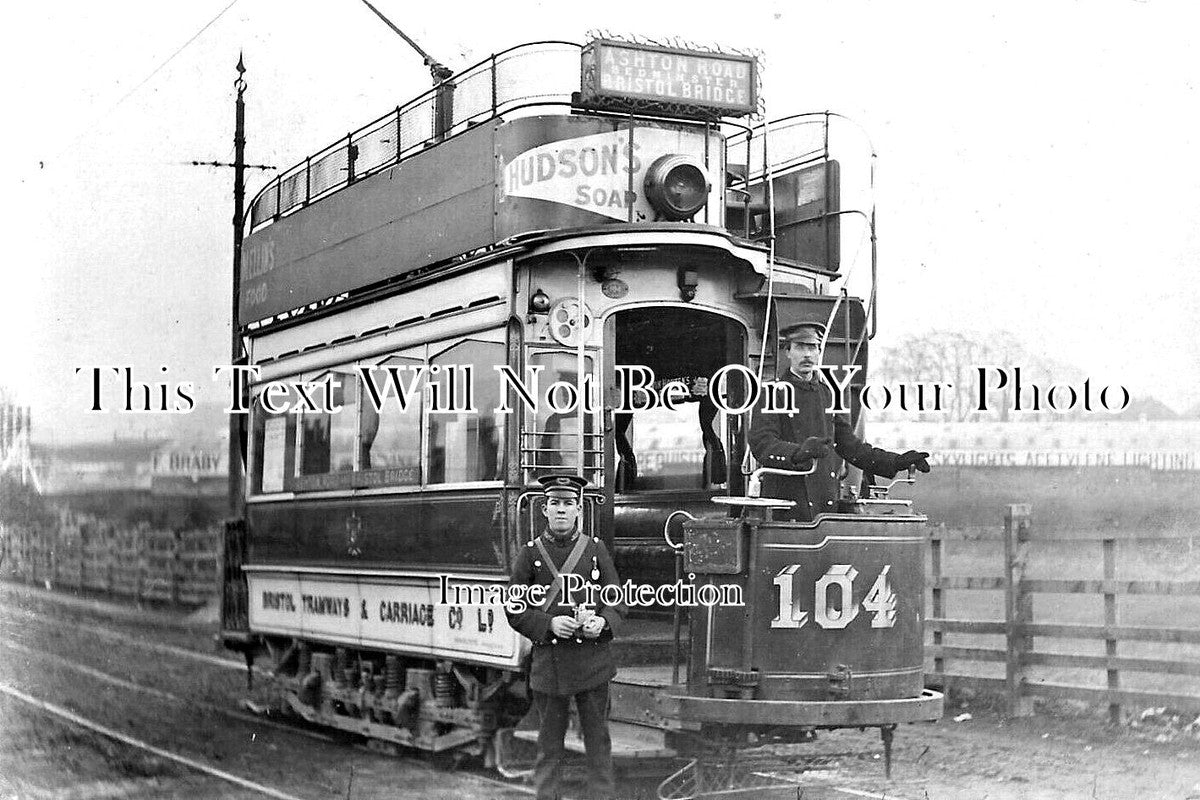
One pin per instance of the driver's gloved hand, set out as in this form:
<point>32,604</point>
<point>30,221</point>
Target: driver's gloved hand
<point>912,458</point>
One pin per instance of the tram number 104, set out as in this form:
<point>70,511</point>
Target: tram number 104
<point>833,605</point>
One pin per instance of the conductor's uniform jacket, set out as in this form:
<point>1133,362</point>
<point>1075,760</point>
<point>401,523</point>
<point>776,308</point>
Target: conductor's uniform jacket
<point>574,664</point>
<point>776,437</point>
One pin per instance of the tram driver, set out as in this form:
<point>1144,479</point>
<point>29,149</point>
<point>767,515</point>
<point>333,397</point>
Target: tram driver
<point>572,656</point>
<point>796,440</point>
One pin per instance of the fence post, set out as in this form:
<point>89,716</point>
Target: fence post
<point>55,540</point>
<point>1018,607</point>
<point>139,556</point>
<point>107,532</point>
<point>938,598</point>
<point>83,557</point>
<point>1110,620</point>
<point>33,554</point>
<point>219,545</point>
<point>173,569</point>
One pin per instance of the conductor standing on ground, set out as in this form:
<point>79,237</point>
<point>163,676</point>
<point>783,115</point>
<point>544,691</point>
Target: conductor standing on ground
<point>809,435</point>
<point>572,656</point>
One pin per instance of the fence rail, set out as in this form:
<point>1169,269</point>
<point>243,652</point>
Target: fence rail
<point>1019,628</point>
<point>141,562</point>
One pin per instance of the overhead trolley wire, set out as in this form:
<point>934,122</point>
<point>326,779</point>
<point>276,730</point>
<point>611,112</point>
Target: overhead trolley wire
<point>84,130</point>
<point>170,58</point>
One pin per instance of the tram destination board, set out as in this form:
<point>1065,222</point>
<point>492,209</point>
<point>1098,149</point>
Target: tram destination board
<point>635,77</point>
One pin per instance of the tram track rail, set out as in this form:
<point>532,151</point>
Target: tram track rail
<point>133,686</point>
<point>91,726</point>
<point>12,646</point>
<point>78,720</point>
<point>156,647</point>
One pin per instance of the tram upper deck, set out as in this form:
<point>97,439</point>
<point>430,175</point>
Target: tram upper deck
<point>507,149</point>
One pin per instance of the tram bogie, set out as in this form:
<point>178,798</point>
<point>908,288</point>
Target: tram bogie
<point>433,705</point>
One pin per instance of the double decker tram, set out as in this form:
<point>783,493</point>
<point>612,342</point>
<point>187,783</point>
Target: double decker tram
<point>493,282</point>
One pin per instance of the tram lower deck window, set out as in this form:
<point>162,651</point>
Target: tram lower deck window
<point>390,438</point>
<point>465,447</point>
<point>273,450</point>
<point>327,440</point>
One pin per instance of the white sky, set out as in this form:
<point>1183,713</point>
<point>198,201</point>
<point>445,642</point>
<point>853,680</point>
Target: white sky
<point>1039,162</point>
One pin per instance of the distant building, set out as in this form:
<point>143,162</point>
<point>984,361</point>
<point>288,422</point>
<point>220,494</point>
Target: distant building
<point>1154,444</point>
<point>154,466</point>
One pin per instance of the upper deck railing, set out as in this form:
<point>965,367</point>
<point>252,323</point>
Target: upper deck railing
<point>526,74</point>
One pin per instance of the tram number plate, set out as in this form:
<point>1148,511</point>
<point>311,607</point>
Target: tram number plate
<point>833,605</point>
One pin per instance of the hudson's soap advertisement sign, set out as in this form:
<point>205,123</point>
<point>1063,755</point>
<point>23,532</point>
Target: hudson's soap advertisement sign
<point>601,172</point>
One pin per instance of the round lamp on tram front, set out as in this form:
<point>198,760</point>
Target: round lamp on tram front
<point>677,187</point>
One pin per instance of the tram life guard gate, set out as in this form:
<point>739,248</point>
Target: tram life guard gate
<point>559,212</point>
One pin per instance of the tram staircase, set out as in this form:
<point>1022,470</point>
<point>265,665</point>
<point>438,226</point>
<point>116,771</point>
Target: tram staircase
<point>640,710</point>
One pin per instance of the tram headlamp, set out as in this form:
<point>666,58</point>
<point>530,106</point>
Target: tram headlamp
<point>539,303</point>
<point>676,187</point>
<point>688,280</point>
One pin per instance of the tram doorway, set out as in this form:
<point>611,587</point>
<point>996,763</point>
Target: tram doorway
<point>686,449</point>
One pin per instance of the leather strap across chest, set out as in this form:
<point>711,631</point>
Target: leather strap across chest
<point>568,566</point>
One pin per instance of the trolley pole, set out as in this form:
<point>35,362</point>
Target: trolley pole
<point>443,97</point>
<point>236,421</point>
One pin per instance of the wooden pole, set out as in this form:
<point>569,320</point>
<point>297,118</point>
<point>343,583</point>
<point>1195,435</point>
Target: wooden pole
<point>1018,607</point>
<point>237,428</point>
<point>1110,620</point>
<point>937,596</point>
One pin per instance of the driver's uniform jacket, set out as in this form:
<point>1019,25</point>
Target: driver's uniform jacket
<point>775,438</point>
<point>574,664</point>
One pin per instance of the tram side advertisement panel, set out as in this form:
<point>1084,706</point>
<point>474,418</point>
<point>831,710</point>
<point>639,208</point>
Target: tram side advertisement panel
<point>401,614</point>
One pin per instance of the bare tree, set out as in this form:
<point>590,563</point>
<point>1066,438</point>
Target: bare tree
<point>956,358</point>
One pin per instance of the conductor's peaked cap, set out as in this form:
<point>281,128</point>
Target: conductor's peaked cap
<point>791,331</point>
<point>562,483</point>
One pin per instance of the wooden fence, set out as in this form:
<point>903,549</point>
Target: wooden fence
<point>93,554</point>
<point>1020,629</point>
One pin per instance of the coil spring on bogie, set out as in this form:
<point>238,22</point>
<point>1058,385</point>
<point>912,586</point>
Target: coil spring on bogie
<point>367,677</point>
<point>443,689</point>
<point>393,678</point>
<point>304,660</point>
<point>340,661</point>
